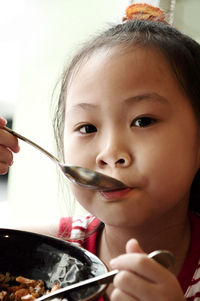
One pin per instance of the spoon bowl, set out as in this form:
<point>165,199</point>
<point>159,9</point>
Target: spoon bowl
<point>82,176</point>
<point>91,179</point>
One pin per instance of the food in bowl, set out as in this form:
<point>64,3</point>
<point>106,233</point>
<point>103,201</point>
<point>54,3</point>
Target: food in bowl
<point>40,257</point>
<point>20,288</point>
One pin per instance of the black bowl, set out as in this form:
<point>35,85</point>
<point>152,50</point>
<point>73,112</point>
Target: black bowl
<point>37,256</point>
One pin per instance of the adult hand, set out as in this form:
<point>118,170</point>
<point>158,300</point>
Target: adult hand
<point>8,146</point>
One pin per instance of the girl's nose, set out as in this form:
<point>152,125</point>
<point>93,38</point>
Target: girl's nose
<point>113,158</point>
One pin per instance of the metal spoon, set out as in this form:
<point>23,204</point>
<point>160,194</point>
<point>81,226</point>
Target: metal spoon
<point>82,176</point>
<point>164,257</point>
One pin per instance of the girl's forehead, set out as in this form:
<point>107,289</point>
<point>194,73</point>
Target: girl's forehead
<point>107,57</point>
<point>114,76</point>
<point>117,63</point>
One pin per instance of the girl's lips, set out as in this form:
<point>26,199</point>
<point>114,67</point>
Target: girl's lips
<point>115,194</point>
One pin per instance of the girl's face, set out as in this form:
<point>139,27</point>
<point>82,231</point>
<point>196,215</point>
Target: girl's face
<point>127,117</point>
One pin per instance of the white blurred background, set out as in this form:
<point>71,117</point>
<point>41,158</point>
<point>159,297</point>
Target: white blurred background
<point>37,37</point>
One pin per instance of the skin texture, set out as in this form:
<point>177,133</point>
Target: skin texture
<point>159,160</point>
<point>127,117</point>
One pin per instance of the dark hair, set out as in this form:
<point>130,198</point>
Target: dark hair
<point>181,51</point>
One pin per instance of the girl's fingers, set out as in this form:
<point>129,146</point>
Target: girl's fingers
<point>133,285</point>
<point>142,265</point>
<point>133,246</point>
<point>118,295</point>
<point>142,278</point>
<point>136,261</point>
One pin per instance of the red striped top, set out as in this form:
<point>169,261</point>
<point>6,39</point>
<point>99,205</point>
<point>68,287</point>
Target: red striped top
<point>77,229</point>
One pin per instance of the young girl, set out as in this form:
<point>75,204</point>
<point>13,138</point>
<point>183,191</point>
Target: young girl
<point>129,108</point>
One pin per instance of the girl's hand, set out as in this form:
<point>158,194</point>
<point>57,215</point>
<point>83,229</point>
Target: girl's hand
<point>143,279</point>
<point>8,145</point>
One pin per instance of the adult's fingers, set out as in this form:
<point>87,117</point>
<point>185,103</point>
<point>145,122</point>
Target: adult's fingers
<point>3,168</point>
<point>6,159</point>
<point>2,122</point>
<point>9,141</point>
<point>6,156</point>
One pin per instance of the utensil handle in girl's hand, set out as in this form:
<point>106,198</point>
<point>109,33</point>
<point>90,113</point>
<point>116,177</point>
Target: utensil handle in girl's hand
<point>163,257</point>
<point>102,279</point>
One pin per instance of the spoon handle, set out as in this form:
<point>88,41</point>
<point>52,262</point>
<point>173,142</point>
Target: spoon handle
<point>31,143</point>
<point>164,257</point>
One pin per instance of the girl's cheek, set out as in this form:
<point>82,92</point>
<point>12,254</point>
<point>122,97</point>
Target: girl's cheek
<point>72,155</point>
<point>83,196</point>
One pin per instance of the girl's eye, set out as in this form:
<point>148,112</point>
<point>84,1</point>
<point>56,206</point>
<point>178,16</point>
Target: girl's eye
<point>87,129</point>
<point>143,122</point>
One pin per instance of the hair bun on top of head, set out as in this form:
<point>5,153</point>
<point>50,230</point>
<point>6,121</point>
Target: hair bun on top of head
<point>143,11</point>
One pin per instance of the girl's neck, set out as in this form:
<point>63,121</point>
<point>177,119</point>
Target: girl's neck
<point>173,235</point>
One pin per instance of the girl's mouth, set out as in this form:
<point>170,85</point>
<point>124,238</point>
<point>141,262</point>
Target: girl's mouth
<point>116,194</point>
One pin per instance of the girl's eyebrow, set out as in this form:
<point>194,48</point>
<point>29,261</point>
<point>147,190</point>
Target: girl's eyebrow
<point>152,96</point>
<point>83,106</point>
<point>146,97</point>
